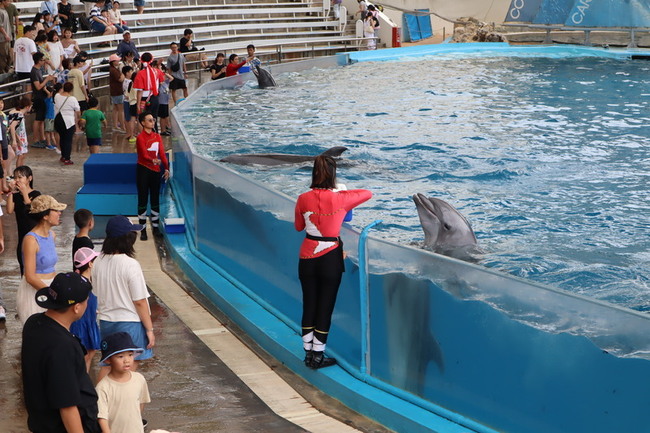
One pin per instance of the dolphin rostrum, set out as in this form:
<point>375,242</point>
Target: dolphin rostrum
<point>279,158</point>
<point>445,229</point>
<point>264,77</point>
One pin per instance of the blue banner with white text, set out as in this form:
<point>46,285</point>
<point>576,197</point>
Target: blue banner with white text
<point>610,13</point>
<point>523,11</point>
<point>554,12</point>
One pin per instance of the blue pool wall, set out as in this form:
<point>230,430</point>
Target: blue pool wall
<point>447,345</point>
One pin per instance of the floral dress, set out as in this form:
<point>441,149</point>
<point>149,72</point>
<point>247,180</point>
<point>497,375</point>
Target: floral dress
<point>22,146</point>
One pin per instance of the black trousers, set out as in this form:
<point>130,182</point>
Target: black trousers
<point>320,278</point>
<point>148,184</point>
<point>66,135</point>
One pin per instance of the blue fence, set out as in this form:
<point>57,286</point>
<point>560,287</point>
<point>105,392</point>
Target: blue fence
<point>483,349</point>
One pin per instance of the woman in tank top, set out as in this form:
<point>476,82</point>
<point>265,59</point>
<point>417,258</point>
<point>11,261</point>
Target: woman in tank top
<point>39,254</point>
<point>70,46</point>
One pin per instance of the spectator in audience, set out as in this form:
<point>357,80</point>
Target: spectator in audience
<point>116,78</point>
<point>128,60</point>
<point>19,200</point>
<point>14,18</point>
<point>86,68</point>
<point>92,120</point>
<point>336,7</point>
<point>50,136</point>
<point>369,31</point>
<point>18,130</point>
<point>3,312</point>
<point>7,152</point>
<point>126,45</point>
<point>50,7</point>
<point>99,23</point>
<point>70,46</point>
<point>66,16</point>
<point>218,68</point>
<point>163,101</point>
<point>122,393</point>
<point>146,83</point>
<point>6,31</point>
<point>66,104</point>
<point>40,86</point>
<point>363,7</point>
<point>139,6</point>
<point>39,254</point>
<point>56,50</point>
<point>251,59</point>
<point>115,18</point>
<point>58,391</point>
<point>43,48</point>
<point>76,77</point>
<point>39,22</point>
<point>85,222</point>
<point>50,23</point>
<point>233,65</point>
<point>86,328</point>
<point>130,102</point>
<point>187,46</point>
<point>25,48</point>
<point>65,71</point>
<point>178,68</point>
<point>121,289</point>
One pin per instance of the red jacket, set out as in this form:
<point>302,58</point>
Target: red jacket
<point>232,68</point>
<point>150,147</point>
<point>320,212</point>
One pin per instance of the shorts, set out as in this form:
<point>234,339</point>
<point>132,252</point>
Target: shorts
<point>49,125</point>
<point>127,111</point>
<point>38,105</point>
<point>177,84</point>
<point>116,100</point>
<point>134,329</point>
<point>138,3</point>
<point>94,141</point>
<point>163,111</point>
<point>97,27</point>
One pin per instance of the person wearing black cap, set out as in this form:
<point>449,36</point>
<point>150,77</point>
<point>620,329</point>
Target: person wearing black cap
<point>59,394</point>
<point>121,290</point>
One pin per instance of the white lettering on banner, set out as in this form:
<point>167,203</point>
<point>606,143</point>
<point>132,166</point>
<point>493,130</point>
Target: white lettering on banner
<point>517,6</point>
<point>582,7</point>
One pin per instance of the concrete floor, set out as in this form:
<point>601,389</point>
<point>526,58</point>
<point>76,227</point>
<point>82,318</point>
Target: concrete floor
<point>193,390</point>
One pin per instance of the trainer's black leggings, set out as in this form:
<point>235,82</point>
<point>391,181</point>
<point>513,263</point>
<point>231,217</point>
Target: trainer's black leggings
<point>148,183</point>
<point>320,278</point>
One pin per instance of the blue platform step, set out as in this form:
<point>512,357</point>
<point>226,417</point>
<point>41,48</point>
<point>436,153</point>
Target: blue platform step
<point>109,184</point>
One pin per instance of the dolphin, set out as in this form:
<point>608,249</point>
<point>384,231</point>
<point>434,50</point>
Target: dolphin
<point>445,229</point>
<point>279,158</point>
<point>264,77</point>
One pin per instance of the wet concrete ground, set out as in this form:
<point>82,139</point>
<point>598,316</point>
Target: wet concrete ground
<point>192,390</point>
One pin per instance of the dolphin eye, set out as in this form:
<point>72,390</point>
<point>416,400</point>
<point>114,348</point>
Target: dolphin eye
<point>447,226</point>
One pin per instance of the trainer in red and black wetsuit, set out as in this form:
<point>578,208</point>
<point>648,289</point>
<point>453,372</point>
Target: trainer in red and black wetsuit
<point>320,213</point>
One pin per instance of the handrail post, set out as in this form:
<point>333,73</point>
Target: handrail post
<point>364,305</point>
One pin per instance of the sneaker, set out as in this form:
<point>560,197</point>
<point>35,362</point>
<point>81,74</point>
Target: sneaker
<point>144,422</point>
<point>67,162</point>
<point>319,360</point>
<point>3,314</point>
<point>62,159</point>
<point>143,235</point>
<point>139,23</point>
<point>58,152</point>
<point>132,140</point>
<point>39,145</point>
<point>50,147</point>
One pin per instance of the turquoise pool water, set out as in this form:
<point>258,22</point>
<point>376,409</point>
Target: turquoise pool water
<point>548,158</point>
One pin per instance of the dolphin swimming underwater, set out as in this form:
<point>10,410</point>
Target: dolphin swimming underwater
<point>445,229</point>
<point>264,77</point>
<point>279,158</point>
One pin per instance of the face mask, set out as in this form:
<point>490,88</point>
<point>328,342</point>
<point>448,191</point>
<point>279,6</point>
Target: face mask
<point>42,21</point>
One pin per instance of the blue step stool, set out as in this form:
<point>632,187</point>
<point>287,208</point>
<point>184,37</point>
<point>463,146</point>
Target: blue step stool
<point>109,184</point>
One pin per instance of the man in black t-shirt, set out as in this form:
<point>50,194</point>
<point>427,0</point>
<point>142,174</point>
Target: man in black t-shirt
<point>59,394</point>
<point>39,94</point>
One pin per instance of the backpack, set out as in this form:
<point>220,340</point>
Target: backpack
<point>175,67</point>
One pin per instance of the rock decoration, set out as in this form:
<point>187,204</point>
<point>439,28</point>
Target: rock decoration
<point>468,29</point>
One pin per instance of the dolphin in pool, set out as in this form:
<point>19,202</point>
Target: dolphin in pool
<point>279,158</point>
<point>264,77</point>
<point>445,229</point>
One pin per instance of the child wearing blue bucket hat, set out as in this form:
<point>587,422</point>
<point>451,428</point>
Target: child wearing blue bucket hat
<point>123,392</point>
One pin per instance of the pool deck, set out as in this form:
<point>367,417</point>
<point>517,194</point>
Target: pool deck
<point>204,377</point>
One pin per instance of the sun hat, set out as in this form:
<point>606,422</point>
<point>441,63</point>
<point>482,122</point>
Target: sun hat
<point>126,31</point>
<point>117,343</point>
<point>66,289</point>
<point>45,202</point>
<point>83,256</point>
<point>120,225</point>
<point>114,58</point>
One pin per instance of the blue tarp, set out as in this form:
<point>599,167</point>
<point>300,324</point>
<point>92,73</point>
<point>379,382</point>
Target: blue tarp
<point>554,11</point>
<point>610,13</point>
<point>523,11</point>
<point>417,27</point>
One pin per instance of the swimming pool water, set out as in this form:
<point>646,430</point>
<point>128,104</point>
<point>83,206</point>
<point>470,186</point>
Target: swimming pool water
<point>547,158</point>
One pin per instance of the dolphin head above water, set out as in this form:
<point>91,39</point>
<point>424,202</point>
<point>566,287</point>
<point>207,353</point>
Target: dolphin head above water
<point>264,77</point>
<point>445,229</point>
